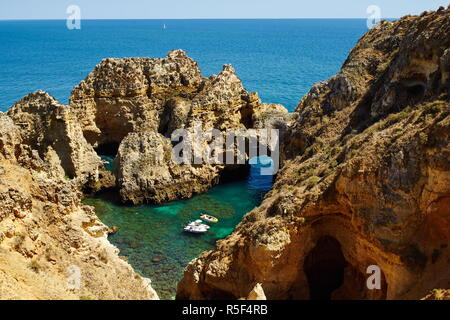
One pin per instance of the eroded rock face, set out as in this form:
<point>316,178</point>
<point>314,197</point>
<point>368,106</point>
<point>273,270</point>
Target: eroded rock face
<point>51,245</point>
<point>365,181</point>
<point>10,137</point>
<point>126,95</point>
<point>223,103</point>
<point>52,129</point>
<point>47,157</point>
<point>124,100</point>
<point>147,173</point>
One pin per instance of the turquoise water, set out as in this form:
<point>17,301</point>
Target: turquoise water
<point>279,59</point>
<point>110,165</point>
<point>152,237</point>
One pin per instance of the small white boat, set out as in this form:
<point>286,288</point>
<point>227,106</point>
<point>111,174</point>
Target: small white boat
<point>105,161</point>
<point>196,227</point>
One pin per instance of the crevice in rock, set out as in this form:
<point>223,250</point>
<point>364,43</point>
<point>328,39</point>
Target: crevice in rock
<point>331,275</point>
<point>247,116</point>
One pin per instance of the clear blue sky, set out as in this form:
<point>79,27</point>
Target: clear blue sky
<point>166,9</point>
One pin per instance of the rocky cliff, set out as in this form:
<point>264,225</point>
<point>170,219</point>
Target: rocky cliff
<point>53,131</point>
<point>365,182</point>
<point>51,245</point>
<point>125,103</point>
<point>127,95</point>
<point>147,173</point>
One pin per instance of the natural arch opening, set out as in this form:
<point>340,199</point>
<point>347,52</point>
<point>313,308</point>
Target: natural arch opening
<point>324,267</point>
<point>108,149</point>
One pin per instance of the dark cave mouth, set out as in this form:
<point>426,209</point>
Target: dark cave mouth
<point>324,267</point>
<point>331,277</point>
<point>109,149</point>
<point>415,89</point>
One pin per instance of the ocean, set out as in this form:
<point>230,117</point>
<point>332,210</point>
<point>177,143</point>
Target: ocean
<point>279,59</point>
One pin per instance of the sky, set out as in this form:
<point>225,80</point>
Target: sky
<point>211,9</point>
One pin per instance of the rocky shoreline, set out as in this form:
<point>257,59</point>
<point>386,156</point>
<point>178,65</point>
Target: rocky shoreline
<point>51,245</point>
<point>50,157</point>
<point>364,180</point>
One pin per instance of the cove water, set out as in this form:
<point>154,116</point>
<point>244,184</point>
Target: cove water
<point>152,237</point>
<point>279,59</point>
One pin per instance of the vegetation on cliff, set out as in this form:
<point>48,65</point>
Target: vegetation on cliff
<point>365,181</point>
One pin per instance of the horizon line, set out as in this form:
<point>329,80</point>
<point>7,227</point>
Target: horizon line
<point>96,19</point>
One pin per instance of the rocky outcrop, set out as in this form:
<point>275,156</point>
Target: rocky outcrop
<point>51,245</point>
<point>125,100</point>
<point>127,95</point>
<point>53,131</point>
<point>364,183</point>
<point>257,293</point>
<point>147,172</point>
<point>438,294</point>
<point>159,94</point>
<point>48,156</point>
<point>270,116</point>
<point>223,103</point>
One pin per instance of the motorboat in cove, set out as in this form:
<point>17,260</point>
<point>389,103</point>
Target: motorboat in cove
<point>196,227</point>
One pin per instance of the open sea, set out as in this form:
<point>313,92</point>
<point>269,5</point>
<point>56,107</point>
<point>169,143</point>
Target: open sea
<point>279,59</point>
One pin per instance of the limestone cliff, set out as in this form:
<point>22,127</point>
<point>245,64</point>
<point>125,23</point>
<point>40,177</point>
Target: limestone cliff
<point>51,129</point>
<point>125,95</point>
<point>125,100</point>
<point>147,173</point>
<point>51,245</point>
<point>49,155</point>
<point>365,182</point>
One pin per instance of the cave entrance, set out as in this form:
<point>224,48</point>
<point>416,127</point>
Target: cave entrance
<point>324,268</point>
<point>108,149</point>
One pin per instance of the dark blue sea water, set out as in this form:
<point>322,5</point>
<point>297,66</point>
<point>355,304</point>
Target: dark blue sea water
<point>280,59</point>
